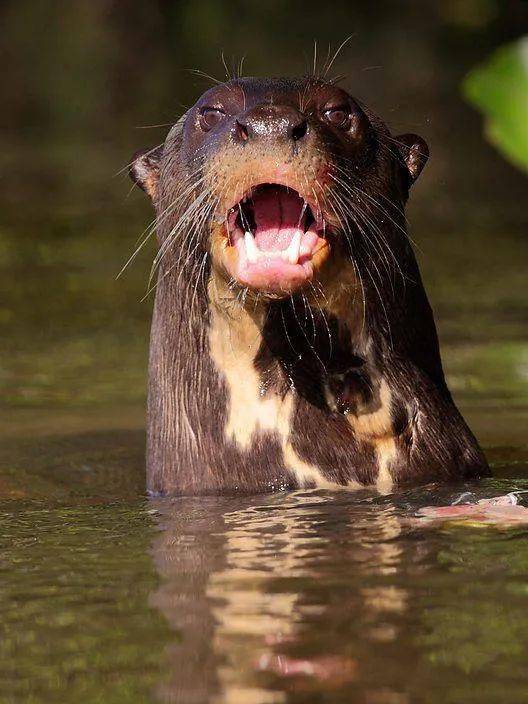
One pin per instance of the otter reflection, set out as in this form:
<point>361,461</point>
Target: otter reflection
<point>281,595</point>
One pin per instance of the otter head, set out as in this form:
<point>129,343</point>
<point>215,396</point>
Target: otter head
<point>277,183</point>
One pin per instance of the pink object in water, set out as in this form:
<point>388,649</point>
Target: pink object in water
<point>327,667</point>
<point>498,510</point>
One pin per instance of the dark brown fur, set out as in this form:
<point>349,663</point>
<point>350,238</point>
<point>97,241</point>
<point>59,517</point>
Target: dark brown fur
<point>356,368</point>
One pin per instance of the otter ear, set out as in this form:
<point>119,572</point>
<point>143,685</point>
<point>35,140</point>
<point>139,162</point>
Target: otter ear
<point>414,152</point>
<point>145,168</point>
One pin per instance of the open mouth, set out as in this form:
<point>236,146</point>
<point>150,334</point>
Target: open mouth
<point>278,237</point>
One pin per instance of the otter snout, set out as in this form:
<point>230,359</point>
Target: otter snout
<point>271,123</point>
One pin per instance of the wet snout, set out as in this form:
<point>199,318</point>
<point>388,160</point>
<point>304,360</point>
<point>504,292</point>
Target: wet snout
<point>271,123</point>
<point>270,175</point>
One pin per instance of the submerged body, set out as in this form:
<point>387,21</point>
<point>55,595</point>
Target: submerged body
<point>292,343</point>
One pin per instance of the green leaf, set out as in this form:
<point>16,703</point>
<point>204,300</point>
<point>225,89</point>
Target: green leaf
<point>499,88</point>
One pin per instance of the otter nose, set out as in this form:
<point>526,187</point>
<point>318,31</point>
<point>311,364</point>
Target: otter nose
<point>271,122</point>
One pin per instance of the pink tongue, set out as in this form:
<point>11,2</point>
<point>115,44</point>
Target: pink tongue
<point>276,213</point>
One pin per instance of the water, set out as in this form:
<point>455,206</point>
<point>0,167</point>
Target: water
<point>302,597</point>
<point>298,597</point>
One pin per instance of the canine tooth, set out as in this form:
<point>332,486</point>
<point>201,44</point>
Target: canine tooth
<point>252,251</point>
<point>292,253</point>
<point>303,211</point>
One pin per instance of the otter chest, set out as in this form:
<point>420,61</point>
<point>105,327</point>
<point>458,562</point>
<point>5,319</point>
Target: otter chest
<point>254,410</point>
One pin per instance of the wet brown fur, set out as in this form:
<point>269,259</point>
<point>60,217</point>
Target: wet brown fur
<point>341,388</point>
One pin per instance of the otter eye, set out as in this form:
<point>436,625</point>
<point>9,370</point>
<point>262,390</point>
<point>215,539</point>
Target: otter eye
<point>210,118</point>
<point>338,116</point>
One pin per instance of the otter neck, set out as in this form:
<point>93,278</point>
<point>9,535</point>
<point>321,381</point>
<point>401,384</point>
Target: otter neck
<point>290,345</point>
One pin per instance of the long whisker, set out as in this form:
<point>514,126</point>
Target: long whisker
<point>346,230</point>
<point>330,63</point>
<point>370,235</point>
<point>303,331</point>
<point>155,224</point>
<point>184,249</point>
<point>375,285</point>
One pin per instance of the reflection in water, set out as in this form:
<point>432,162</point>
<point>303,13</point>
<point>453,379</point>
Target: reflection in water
<point>265,594</point>
<point>185,551</point>
<point>303,598</point>
<point>312,596</point>
<point>257,596</point>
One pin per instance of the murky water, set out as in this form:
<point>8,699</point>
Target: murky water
<point>294,597</point>
<point>299,597</point>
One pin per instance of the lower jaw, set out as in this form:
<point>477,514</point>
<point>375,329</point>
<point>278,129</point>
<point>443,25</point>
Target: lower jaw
<point>267,279</point>
<point>275,278</point>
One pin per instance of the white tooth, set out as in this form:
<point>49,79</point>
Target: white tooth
<point>303,210</point>
<point>291,254</point>
<point>252,251</point>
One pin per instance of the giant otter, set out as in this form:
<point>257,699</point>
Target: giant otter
<point>292,341</point>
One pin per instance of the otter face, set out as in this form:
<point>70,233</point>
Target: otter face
<point>274,177</point>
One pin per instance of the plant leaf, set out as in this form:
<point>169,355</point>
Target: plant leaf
<point>499,88</point>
